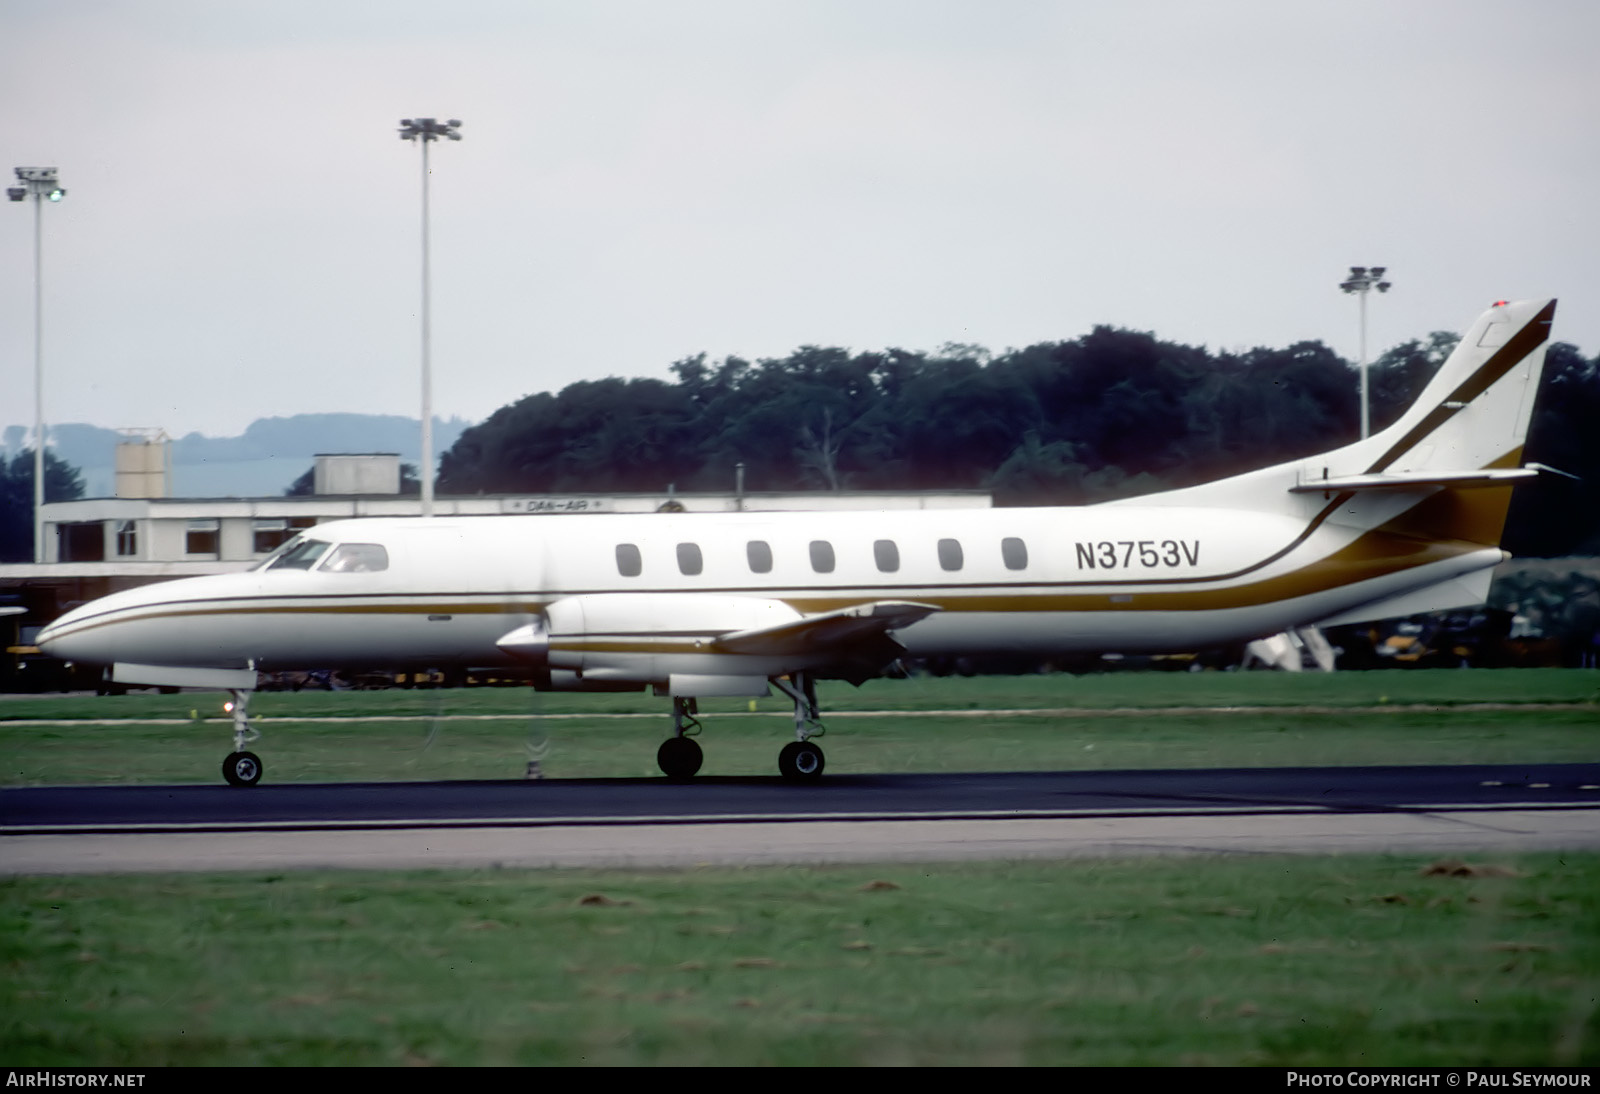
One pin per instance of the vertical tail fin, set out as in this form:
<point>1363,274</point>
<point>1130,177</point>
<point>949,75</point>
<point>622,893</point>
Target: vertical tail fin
<point>1457,452</point>
<point>1473,415</point>
<point>1444,470</point>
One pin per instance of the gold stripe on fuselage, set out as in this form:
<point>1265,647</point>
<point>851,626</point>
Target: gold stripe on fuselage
<point>1376,554</point>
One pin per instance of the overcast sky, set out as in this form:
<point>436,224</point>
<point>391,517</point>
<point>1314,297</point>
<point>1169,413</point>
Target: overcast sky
<point>645,181</point>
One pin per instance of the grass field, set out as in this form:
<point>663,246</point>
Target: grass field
<point>1110,721</point>
<point>1268,961</point>
<point>1265,960</point>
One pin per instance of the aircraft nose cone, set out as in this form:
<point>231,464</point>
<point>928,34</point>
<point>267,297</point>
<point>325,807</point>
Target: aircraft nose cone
<point>57,640</point>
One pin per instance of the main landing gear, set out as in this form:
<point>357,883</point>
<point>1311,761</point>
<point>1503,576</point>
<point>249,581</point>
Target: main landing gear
<point>679,755</point>
<point>801,760</point>
<point>242,768</point>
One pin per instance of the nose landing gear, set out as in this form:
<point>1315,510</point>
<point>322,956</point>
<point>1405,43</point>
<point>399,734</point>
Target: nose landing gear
<point>242,768</point>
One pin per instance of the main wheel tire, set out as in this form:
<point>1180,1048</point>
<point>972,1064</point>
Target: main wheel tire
<point>679,757</point>
<point>800,761</point>
<point>242,769</point>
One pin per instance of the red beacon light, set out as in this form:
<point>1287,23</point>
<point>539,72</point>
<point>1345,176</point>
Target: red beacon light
<point>1501,303</point>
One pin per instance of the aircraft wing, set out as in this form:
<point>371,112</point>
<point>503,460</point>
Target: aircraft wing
<point>845,630</point>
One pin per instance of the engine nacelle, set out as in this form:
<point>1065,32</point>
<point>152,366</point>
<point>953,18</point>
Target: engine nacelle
<point>646,638</point>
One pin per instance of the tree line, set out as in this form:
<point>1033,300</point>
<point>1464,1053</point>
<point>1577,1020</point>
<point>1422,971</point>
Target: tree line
<point>1114,413</point>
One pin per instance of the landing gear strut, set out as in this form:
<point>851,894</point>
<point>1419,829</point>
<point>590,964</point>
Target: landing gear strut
<point>801,759</point>
<point>679,756</point>
<point>242,768</point>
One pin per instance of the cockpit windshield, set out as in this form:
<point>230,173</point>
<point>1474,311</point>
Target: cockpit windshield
<point>299,553</point>
<point>356,558</point>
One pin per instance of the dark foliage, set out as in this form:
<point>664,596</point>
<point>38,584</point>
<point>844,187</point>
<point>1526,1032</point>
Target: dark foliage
<point>1114,413</point>
<point>61,483</point>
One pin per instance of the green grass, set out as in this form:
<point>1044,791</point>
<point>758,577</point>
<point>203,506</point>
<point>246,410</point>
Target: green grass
<point>1273,961</point>
<point>1110,722</point>
<point>1443,687</point>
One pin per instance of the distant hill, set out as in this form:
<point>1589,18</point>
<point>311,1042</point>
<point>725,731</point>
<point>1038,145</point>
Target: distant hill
<point>270,455</point>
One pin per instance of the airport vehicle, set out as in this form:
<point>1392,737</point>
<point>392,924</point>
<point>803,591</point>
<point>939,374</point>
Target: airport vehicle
<point>696,605</point>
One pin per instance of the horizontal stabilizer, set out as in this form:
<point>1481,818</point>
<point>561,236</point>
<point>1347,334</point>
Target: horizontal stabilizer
<point>1402,480</point>
<point>837,630</point>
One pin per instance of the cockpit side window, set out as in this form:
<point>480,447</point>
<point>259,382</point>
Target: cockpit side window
<point>297,554</point>
<point>356,558</point>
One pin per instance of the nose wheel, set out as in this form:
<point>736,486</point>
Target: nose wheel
<point>242,769</point>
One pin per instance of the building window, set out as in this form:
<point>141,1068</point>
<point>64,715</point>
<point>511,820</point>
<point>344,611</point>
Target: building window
<point>822,556</point>
<point>270,535</point>
<point>127,539</point>
<point>690,561</point>
<point>950,554</point>
<point>81,541</point>
<point>887,555</point>
<point>759,555</point>
<point>1014,553</point>
<point>629,562</point>
<point>204,538</point>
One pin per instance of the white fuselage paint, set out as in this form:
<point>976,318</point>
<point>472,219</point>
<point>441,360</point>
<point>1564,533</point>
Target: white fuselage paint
<point>1094,578</point>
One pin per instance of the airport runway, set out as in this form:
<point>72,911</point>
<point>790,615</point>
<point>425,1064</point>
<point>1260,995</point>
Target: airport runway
<point>655,823</point>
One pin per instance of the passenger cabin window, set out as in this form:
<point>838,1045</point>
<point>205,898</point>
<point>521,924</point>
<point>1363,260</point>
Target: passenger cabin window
<point>822,556</point>
<point>629,563</point>
<point>357,558</point>
<point>759,554</point>
<point>1014,553</point>
<point>950,554</point>
<point>887,555</point>
<point>298,554</point>
<point>690,561</point>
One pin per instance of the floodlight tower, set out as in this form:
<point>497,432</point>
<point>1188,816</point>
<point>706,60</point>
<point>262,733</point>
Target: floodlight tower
<point>1361,281</point>
<point>43,184</point>
<point>424,130</point>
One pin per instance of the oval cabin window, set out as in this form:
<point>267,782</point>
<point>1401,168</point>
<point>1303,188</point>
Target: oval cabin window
<point>690,561</point>
<point>759,554</point>
<point>822,556</point>
<point>1014,553</point>
<point>629,564</point>
<point>950,557</point>
<point>887,555</point>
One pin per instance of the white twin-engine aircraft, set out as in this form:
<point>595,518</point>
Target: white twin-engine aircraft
<point>699,605</point>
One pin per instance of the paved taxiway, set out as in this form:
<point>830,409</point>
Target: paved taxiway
<point>651,822</point>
